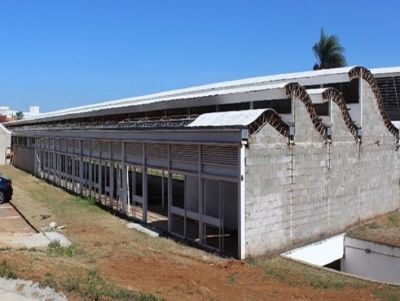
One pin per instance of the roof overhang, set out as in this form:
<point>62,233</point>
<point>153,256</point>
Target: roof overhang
<point>221,135</point>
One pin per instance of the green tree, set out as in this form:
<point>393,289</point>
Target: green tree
<point>19,115</point>
<point>329,52</point>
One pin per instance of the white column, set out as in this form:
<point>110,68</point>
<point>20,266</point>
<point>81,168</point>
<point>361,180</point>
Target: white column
<point>242,204</point>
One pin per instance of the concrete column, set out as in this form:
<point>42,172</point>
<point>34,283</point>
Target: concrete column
<point>242,203</point>
<point>144,188</point>
<point>162,191</point>
<point>90,169</point>
<point>100,174</point>
<point>54,161</point>
<point>36,163</point>
<point>124,194</point>
<point>169,189</point>
<point>73,178</point>
<point>200,198</point>
<point>111,201</point>
<point>80,168</point>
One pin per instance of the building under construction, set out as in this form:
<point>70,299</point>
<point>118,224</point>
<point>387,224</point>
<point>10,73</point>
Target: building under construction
<point>244,167</point>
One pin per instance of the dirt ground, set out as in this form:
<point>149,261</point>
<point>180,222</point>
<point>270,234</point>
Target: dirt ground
<point>230,280</point>
<point>160,266</point>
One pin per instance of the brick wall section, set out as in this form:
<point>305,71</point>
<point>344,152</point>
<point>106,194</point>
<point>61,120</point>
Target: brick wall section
<point>310,190</point>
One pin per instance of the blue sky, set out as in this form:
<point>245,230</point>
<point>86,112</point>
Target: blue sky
<point>58,54</point>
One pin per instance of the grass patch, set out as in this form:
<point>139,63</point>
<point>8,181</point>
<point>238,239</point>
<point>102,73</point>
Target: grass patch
<point>393,219</point>
<point>148,297</point>
<point>56,249</point>
<point>373,226</point>
<point>86,201</point>
<point>93,287</point>
<point>296,274</point>
<point>6,271</point>
<point>387,293</point>
<point>232,278</point>
<point>49,281</point>
<point>250,260</point>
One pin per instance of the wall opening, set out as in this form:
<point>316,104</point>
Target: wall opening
<point>362,258</point>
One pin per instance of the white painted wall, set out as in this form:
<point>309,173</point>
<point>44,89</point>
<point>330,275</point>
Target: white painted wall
<point>371,260</point>
<point>5,141</point>
<point>320,253</point>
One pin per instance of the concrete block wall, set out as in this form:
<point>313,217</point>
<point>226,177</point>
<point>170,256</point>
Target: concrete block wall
<point>268,184</point>
<point>310,161</point>
<point>300,193</point>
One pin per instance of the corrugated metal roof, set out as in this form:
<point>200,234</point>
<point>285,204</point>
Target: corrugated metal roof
<point>227,87</point>
<point>231,118</point>
<point>385,71</point>
<point>161,97</point>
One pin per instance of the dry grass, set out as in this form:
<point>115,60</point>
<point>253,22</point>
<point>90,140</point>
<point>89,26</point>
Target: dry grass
<point>384,229</point>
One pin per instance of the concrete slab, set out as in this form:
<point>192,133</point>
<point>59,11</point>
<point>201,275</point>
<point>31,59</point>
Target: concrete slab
<point>21,240</point>
<point>55,236</point>
<point>24,290</point>
<point>143,229</point>
<point>16,233</point>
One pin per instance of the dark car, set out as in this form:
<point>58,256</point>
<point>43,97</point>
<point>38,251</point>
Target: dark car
<point>6,189</point>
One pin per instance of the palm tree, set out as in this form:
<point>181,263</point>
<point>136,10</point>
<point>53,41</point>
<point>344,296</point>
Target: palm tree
<point>19,115</point>
<point>329,52</point>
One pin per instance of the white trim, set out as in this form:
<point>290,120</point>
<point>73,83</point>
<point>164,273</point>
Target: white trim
<point>242,204</point>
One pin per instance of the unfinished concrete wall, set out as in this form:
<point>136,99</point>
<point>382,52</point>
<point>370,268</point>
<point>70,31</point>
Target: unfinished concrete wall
<point>378,158</point>
<point>5,142</point>
<point>312,189</point>
<point>268,189</point>
<point>342,175</point>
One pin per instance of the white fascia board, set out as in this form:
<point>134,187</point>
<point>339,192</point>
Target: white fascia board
<point>386,72</point>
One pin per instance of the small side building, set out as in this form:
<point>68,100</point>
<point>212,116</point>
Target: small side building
<point>5,144</point>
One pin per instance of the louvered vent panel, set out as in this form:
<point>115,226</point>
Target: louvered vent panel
<point>116,150</point>
<point>185,153</point>
<point>219,155</point>
<point>57,144</point>
<point>50,143</point>
<point>70,146</point>
<point>63,145</point>
<point>134,152</point>
<point>76,147</point>
<point>157,151</point>
<point>389,88</point>
<point>105,149</point>
<point>95,148</point>
<point>85,147</point>
<point>39,143</point>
